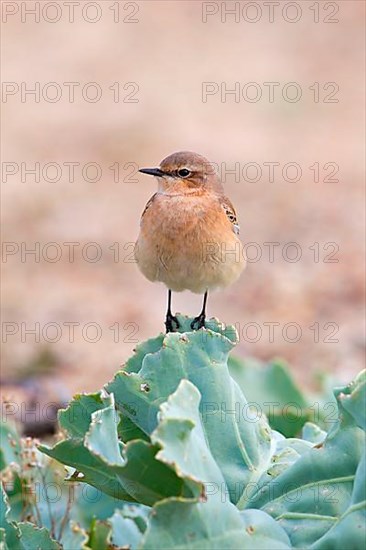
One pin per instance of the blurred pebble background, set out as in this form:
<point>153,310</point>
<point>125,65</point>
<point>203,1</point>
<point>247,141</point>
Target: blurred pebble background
<point>93,308</point>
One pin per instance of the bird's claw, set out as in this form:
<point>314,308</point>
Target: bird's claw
<point>170,321</point>
<point>199,321</point>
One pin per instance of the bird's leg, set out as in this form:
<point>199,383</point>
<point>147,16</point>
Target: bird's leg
<point>199,322</point>
<point>170,319</point>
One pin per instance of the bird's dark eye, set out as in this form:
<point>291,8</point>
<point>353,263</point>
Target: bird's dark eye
<point>184,173</point>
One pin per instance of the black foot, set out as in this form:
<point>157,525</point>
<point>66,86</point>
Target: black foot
<point>198,322</point>
<point>171,323</point>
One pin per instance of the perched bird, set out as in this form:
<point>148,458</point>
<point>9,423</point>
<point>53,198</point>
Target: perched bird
<point>189,232</point>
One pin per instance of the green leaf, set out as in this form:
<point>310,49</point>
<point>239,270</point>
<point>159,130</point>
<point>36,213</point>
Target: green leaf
<point>353,400</point>
<point>3,544</point>
<point>213,525</point>
<point>10,455</point>
<point>349,530</point>
<point>23,535</point>
<point>128,431</point>
<point>181,435</point>
<point>264,531</point>
<point>10,531</point>
<point>76,418</point>
<point>134,476</point>
<point>315,494</point>
<point>138,513</point>
<point>311,432</point>
<point>90,502</point>
<point>150,346</point>
<point>101,439</point>
<point>100,535</point>
<point>32,537</point>
<point>10,445</point>
<point>191,442</point>
<point>125,530</point>
<point>273,390</point>
<point>240,442</point>
<point>75,537</point>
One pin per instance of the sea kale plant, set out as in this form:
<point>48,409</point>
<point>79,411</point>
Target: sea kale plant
<point>188,448</point>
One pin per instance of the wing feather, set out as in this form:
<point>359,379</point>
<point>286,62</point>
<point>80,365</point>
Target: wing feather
<point>230,213</point>
<point>148,204</point>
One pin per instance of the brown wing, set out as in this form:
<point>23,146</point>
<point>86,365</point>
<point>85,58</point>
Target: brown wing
<point>230,213</point>
<point>148,204</point>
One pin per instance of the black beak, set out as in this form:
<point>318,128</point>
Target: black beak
<point>152,172</point>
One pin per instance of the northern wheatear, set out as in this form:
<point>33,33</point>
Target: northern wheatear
<point>189,232</point>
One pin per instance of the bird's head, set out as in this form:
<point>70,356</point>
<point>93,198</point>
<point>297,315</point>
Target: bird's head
<point>185,172</point>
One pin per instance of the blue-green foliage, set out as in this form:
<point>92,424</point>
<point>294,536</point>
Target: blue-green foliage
<point>181,434</point>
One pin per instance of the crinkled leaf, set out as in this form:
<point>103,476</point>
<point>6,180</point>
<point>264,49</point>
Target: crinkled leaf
<point>135,476</point>
<point>74,537</point>
<point>32,537</point>
<point>274,391</point>
<point>350,528</point>
<point>22,535</point>
<point>181,435</point>
<point>352,398</point>
<point>150,346</point>
<point>311,432</point>
<point>125,530</point>
<point>315,494</point>
<point>213,525</point>
<point>239,440</point>
<point>76,418</point>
